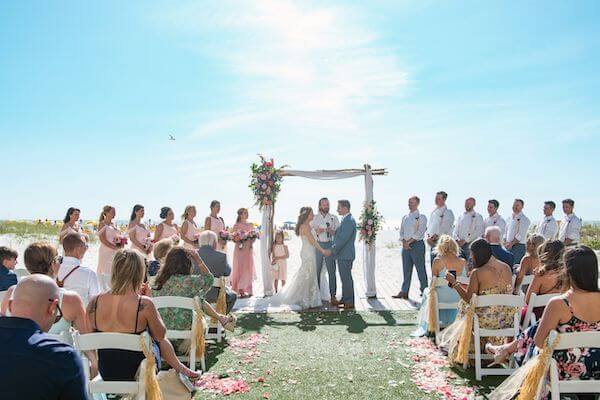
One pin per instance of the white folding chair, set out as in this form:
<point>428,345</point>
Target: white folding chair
<point>21,272</point>
<point>440,282</point>
<point>185,303</point>
<point>219,331</point>
<point>570,341</point>
<point>104,281</point>
<point>536,300</point>
<point>111,340</point>
<point>527,279</point>
<point>508,300</point>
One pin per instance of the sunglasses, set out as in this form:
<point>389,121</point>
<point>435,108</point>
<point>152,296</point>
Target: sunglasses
<point>58,259</point>
<point>59,313</point>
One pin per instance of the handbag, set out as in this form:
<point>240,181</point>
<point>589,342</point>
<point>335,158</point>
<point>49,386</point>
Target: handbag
<point>173,388</point>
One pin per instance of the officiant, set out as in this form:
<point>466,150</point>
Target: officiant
<point>324,226</point>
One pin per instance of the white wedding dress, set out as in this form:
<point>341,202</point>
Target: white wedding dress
<point>303,291</point>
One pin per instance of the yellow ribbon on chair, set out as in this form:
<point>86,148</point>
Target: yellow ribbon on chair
<point>152,388</point>
<point>536,370</point>
<point>222,299</point>
<point>198,333</point>
<point>466,334</point>
<point>432,318</point>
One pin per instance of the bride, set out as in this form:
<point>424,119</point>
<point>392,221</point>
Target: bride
<point>303,292</point>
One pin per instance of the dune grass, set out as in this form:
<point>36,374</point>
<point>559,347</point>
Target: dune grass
<point>34,230</point>
<point>324,355</point>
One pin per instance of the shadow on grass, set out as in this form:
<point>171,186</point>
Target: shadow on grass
<point>308,321</point>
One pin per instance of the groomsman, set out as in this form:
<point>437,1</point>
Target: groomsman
<point>516,232</point>
<point>412,232</point>
<point>440,222</point>
<point>324,226</point>
<point>495,219</point>
<point>469,227</point>
<point>570,228</point>
<point>548,227</point>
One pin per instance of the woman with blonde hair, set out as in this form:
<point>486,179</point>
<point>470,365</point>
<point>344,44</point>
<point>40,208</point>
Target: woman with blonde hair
<point>126,308</point>
<point>447,260</point>
<point>189,229</point>
<point>109,235</point>
<point>530,262</point>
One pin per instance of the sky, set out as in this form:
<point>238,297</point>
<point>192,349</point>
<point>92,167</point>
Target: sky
<point>494,99</point>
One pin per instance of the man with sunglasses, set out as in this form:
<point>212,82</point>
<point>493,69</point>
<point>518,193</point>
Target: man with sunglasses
<point>37,366</point>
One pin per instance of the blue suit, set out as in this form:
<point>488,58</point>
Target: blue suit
<point>344,252</point>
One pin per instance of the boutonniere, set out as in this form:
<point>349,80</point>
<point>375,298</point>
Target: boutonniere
<point>417,217</point>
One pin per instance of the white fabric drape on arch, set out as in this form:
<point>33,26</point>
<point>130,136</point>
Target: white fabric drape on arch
<point>265,257</point>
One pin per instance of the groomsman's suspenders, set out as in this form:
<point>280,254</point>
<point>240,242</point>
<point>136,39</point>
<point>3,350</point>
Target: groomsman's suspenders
<point>62,283</point>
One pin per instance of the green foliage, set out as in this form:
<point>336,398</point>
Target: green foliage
<point>370,222</point>
<point>590,236</point>
<point>28,229</point>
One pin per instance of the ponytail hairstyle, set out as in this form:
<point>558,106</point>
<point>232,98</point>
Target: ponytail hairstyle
<point>164,212</point>
<point>186,212</point>
<point>239,214</point>
<point>136,208</point>
<point>304,214</point>
<point>70,212</point>
<point>105,210</point>
<point>582,268</point>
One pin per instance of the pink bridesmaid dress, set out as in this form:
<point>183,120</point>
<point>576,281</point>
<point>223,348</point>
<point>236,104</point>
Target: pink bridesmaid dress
<point>243,262</point>
<point>105,253</point>
<point>217,226</point>
<point>191,234</point>
<point>69,230</point>
<point>168,231</point>
<point>142,235</point>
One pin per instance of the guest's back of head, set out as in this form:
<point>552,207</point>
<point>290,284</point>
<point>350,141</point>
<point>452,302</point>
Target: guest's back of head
<point>447,246</point>
<point>581,264</point>
<point>177,262</point>
<point>128,271</point>
<point>40,258</point>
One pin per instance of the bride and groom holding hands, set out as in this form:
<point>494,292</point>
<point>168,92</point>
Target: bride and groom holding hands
<point>325,240</point>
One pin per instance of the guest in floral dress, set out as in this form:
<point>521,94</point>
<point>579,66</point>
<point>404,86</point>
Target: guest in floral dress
<point>243,258</point>
<point>175,279</point>
<point>489,276</point>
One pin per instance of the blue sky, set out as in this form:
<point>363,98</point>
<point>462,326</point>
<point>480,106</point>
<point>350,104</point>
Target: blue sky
<point>492,99</point>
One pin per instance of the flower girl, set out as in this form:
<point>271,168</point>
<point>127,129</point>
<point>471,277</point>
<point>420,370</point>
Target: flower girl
<point>279,256</point>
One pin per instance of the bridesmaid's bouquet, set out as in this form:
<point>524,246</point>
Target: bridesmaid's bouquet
<point>240,237</point>
<point>225,236</point>
<point>120,241</point>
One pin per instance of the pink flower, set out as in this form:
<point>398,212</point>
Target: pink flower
<point>268,191</point>
<point>263,186</point>
<point>370,222</point>
<point>575,369</point>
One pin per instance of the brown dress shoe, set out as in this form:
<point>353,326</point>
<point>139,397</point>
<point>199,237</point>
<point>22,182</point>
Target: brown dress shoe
<point>348,306</point>
<point>334,301</point>
<point>400,295</point>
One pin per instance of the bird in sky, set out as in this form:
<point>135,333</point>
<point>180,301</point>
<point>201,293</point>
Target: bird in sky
<point>171,137</point>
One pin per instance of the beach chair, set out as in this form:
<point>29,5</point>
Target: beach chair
<point>495,300</point>
<point>187,304</point>
<point>111,340</point>
<point>536,300</point>
<point>570,341</point>
<point>439,282</point>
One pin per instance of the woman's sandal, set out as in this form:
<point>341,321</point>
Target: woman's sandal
<point>500,353</point>
<point>230,324</point>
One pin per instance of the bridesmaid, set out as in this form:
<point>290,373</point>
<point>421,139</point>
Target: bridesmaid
<point>189,229</point>
<point>108,233</point>
<point>243,261</point>
<point>215,223</point>
<point>166,229</point>
<point>138,233</point>
<point>71,223</point>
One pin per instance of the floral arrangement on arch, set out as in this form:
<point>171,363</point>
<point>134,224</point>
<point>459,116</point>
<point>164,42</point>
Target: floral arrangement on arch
<point>266,181</point>
<point>370,222</point>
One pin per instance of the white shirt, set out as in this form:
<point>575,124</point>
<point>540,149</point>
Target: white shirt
<point>413,226</point>
<point>441,222</point>
<point>320,221</point>
<point>570,228</point>
<point>548,227</point>
<point>517,226</point>
<point>470,226</point>
<point>496,220</point>
<point>83,281</point>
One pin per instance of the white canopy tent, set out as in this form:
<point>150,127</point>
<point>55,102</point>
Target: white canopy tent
<point>267,223</point>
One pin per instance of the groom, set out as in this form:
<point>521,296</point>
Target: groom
<point>343,250</point>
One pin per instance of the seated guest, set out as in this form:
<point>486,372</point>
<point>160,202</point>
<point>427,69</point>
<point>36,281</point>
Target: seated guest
<point>489,276</point>
<point>447,260</point>
<point>530,262</point>
<point>577,310</point>
<point>175,279</point>
<point>216,262</point>
<point>550,277</point>
<point>37,366</point>
<point>126,309</point>
<point>41,258</point>
<point>8,262</point>
<point>160,252</point>
<point>493,237</point>
<point>74,276</point>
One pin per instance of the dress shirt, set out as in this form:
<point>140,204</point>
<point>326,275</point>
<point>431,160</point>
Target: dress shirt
<point>570,228</point>
<point>496,220</point>
<point>7,278</point>
<point>321,221</point>
<point>517,226</point>
<point>37,366</point>
<point>469,226</point>
<point>413,226</point>
<point>83,281</point>
<point>441,222</point>
<point>548,227</point>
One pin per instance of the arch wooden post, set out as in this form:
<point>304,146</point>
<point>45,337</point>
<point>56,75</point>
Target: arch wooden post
<point>369,249</point>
